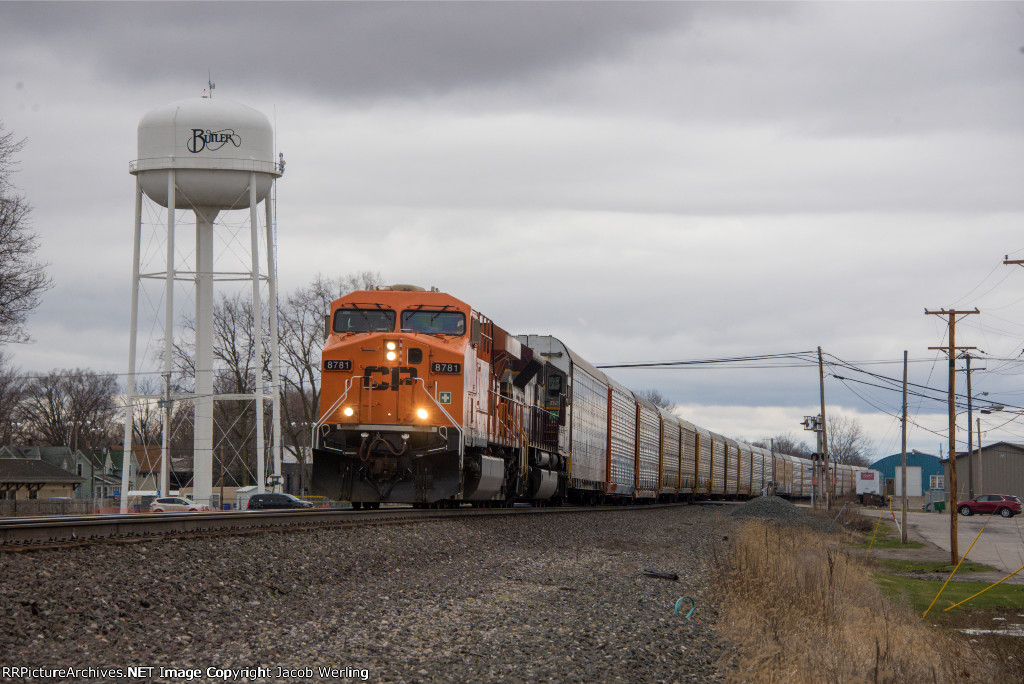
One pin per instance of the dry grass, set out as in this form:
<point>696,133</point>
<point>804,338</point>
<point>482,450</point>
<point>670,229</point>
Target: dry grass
<point>800,609</point>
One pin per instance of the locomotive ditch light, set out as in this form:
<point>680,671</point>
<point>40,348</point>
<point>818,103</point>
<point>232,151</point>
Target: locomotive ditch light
<point>348,411</point>
<point>421,413</point>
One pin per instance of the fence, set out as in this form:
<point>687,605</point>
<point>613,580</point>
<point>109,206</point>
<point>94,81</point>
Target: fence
<point>10,508</point>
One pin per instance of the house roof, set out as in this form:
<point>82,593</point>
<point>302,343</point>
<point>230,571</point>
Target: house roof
<point>33,471</point>
<point>95,457</point>
<point>148,458</point>
<point>107,479</point>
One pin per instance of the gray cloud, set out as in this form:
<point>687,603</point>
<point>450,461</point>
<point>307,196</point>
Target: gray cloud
<point>341,51</point>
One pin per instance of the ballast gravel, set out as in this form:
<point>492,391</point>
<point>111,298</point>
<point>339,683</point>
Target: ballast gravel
<point>557,598</point>
<point>781,512</point>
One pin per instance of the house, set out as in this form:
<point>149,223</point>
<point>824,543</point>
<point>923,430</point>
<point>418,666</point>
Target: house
<point>97,467</point>
<point>147,476</point>
<point>117,468</point>
<point>994,469</point>
<point>34,478</point>
<point>145,464</point>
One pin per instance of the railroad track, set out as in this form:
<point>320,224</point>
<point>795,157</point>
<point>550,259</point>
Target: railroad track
<point>25,534</point>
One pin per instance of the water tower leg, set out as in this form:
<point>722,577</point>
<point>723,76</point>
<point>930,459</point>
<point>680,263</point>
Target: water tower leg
<point>202,444</point>
<point>275,357</point>
<point>131,388</point>
<point>165,450</point>
<point>257,327</point>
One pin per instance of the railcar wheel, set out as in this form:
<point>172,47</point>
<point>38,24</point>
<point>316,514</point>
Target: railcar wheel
<point>965,510</point>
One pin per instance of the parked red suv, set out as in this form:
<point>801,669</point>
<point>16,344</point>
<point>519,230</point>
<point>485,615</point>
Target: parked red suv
<point>1003,504</point>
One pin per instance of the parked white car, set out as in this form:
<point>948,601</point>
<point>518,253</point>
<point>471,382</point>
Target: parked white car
<point>175,504</point>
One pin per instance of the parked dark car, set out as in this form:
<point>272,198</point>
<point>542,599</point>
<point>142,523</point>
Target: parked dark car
<point>1003,504</point>
<point>258,502</point>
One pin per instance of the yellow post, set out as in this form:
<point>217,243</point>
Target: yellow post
<point>874,533</point>
<point>986,588</point>
<point>951,576</point>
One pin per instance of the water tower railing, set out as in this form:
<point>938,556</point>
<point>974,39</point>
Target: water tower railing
<point>218,163</point>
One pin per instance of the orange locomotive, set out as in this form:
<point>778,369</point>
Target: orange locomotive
<point>424,400</point>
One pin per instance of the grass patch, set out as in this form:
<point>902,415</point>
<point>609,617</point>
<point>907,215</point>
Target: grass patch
<point>887,537</point>
<point>798,608</point>
<point>919,593</point>
<point>925,567</point>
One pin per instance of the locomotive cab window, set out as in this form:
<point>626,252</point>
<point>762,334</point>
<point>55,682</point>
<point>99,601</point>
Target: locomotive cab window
<point>434,322</point>
<point>363,320</point>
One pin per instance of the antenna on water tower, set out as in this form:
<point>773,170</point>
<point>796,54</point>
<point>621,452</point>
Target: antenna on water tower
<point>206,157</point>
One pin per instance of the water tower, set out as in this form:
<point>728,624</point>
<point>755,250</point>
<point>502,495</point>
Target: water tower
<point>206,156</point>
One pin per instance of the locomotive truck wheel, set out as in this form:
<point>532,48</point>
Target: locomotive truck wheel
<point>965,510</point>
<point>1006,512</point>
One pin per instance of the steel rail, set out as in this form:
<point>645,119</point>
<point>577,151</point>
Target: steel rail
<point>33,533</point>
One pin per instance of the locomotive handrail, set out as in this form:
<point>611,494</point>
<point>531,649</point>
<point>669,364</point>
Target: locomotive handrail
<point>462,437</point>
<point>522,433</point>
<point>330,411</point>
<point>511,400</point>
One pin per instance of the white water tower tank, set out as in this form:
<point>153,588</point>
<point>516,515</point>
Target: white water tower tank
<point>206,156</point>
<point>213,145</point>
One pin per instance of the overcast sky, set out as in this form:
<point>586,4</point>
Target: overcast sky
<point>648,182</point>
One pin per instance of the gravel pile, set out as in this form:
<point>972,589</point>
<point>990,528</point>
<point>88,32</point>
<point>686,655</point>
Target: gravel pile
<point>529,598</point>
<point>780,511</point>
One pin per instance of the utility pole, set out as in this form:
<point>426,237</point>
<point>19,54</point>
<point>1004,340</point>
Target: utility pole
<point>903,515</point>
<point>951,354</point>
<point>970,428</point>
<point>824,436</point>
<point>979,443</point>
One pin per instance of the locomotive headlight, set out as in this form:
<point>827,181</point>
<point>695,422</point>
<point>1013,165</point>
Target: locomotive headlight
<point>348,411</point>
<point>391,346</point>
<point>421,413</point>
<point>391,355</point>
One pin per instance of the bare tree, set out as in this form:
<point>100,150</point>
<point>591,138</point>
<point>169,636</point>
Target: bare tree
<point>148,417</point>
<point>11,390</point>
<point>785,443</point>
<point>302,331</point>
<point>847,442</point>
<point>22,278</point>
<point>69,407</point>
<point>657,398</point>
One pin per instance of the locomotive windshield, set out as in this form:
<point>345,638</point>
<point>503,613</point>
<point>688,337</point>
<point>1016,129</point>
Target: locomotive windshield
<point>434,322</point>
<point>363,320</point>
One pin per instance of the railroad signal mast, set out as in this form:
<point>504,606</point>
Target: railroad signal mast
<point>815,424</point>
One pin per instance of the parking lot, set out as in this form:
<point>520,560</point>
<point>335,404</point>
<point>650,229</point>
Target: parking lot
<point>1001,546</point>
